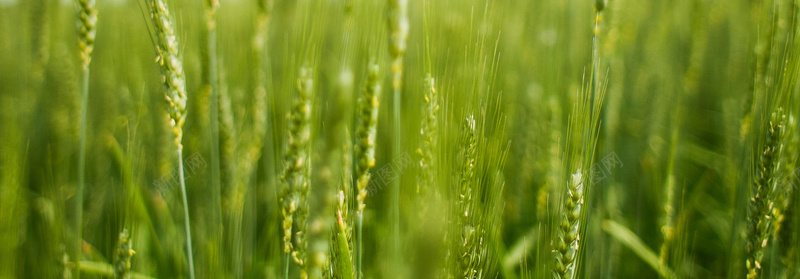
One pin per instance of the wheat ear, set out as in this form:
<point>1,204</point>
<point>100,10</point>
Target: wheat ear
<point>785,186</point>
<point>365,149</point>
<point>175,95</point>
<point>758,220</point>
<point>568,230</point>
<point>122,259</point>
<point>88,30</point>
<point>295,174</point>
<point>429,137</point>
<point>471,238</point>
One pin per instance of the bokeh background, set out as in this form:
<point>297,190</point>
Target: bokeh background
<point>681,81</point>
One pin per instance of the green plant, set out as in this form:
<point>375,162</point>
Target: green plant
<point>365,148</point>
<point>471,248</point>
<point>500,156</point>
<point>122,258</point>
<point>761,195</point>
<point>295,175</point>
<point>88,31</point>
<point>398,28</point>
<point>169,59</point>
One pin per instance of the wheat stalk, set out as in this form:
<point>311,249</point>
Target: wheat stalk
<point>398,30</point>
<point>669,201</point>
<point>211,88</point>
<point>761,204</point>
<point>260,108</point>
<point>365,148</point>
<point>598,8</point>
<point>88,30</point>
<point>175,94</point>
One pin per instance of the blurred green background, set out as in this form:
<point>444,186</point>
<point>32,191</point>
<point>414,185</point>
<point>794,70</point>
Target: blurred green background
<point>679,76</point>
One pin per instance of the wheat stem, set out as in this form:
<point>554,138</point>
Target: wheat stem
<point>398,29</point>
<point>88,21</point>
<point>186,222</point>
<point>598,8</point>
<point>365,149</point>
<point>669,201</point>
<point>175,94</point>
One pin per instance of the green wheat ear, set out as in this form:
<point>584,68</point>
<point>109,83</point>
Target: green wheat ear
<point>568,230</point>
<point>122,258</point>
<point>88,30</point>
<point>169,59</point>
<point>172,67</point>
<point>429,134</point>
<point>295,175</point>
<point>784,187</point>
<point>366,133</point>
<point>761,201</point>
<point>471,238</point>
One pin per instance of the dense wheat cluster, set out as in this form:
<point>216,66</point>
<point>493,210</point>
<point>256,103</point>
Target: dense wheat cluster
<point>350,139</point>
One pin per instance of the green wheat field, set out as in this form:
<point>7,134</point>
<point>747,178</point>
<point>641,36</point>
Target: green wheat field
<point>355,139</point>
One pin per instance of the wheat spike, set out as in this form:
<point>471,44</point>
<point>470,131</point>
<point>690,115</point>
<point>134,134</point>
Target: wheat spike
<point>295,175</point>
<point>568,231</point>
<point>471,238</point>
<point>88,30</point>
<point>122,259</point>
<point>761,204</point>
<point>366,133</point>
<point>175,94</point>
<point>172,67</point>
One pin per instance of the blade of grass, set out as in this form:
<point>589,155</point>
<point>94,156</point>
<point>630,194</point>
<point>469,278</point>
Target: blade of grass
<point>343,263</point>
<point>630,240</point>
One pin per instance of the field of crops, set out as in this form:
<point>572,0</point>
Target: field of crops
<point>358,139</point>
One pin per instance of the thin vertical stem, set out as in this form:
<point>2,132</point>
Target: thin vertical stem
<point>396,182</point>
<point>286,260</point>
<point>359,244</point>
<point>186,221</point>
<point>87,19</point>
<point>81,170</point>
<point>213,85</point>
<point>595,58</point>
<point>398,29</point>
